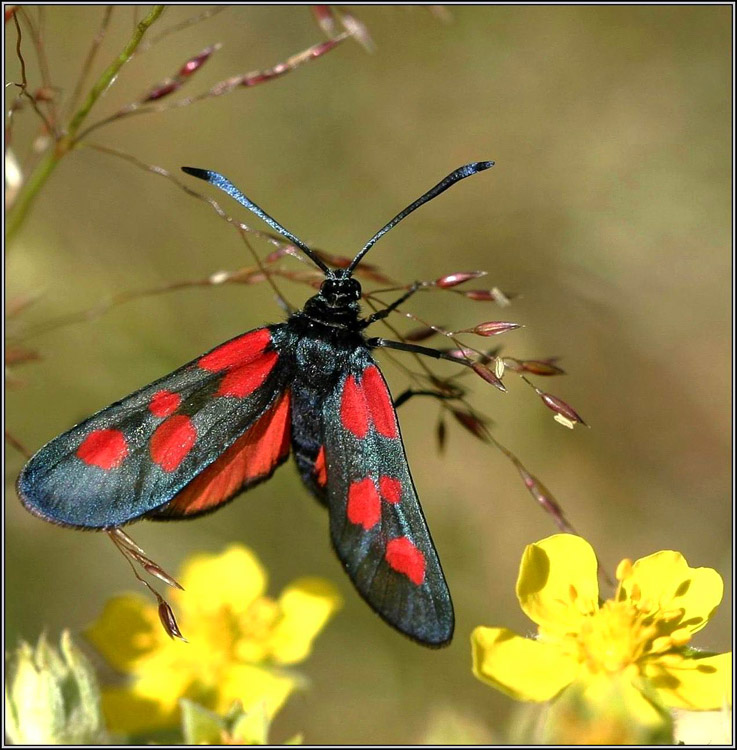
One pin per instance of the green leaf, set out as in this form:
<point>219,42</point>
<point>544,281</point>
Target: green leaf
<point>201,726</point>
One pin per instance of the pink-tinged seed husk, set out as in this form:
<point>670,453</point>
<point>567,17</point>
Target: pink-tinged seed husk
<point>17,355</point>
<point>162,90</point>
<point>372,275</point>
<point>561,407</point>
<point>472,423</point>
<point>542,495</point>
<point>322,48</point>
<point>325,19</point>
<point>493,328</point>
<point>541,367</point>
<point>166,615</point>
<point>155,570</point>
<point>490,295</point>
<point>454,279</point>
<point>246,276</point>
<point>461,354</point>
<point>357,29</point>
<point>44,94</point>
<point>419,334</point>
<point>484,372</point>
<point>195,63</point>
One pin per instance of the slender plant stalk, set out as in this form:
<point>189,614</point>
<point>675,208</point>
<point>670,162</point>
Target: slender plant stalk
<point>46,166</point>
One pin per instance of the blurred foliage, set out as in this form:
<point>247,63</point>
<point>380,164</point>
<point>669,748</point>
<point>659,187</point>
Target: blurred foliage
<point>52,696</point>
<point>238,727</point>
<point>608,212</point>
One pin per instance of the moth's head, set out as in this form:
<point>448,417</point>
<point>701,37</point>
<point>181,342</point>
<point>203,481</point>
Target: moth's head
<point>340,290</point>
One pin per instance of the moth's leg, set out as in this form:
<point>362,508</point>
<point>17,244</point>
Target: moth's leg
<point>403,346</point>
<point>381,314</point>
<point>405,396</point>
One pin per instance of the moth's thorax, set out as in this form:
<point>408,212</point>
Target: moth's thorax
<point>327,331</point>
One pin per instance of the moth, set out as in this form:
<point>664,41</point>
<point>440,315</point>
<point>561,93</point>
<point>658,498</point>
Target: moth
<point>193,440</point>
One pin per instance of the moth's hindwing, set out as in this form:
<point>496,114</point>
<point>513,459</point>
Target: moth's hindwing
<point>376,523</point>
<point>155,446</point>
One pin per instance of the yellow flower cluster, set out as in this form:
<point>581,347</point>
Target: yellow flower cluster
<point>635,645</point>
<point>240,642</point>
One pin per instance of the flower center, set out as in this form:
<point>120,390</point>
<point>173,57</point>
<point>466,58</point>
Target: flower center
<point>613,637</point>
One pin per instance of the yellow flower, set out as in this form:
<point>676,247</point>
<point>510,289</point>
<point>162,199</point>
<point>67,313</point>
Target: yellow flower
<point>635,644</point>
<point>239,642</point>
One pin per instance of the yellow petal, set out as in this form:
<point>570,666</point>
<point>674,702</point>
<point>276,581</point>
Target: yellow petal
<point>557,582</point>
<point>129,713</point>
<point>701,683</point>
<point>150,699</point>
<point>606,709</point>
<point>127,630</point>
<point>306,605</point>
<point>664,581</point>
<point>522,668</point>
<point>254,687</point>
<point>231,580</point>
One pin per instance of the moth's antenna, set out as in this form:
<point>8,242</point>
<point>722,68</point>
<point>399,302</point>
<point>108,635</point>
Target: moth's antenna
<point>459,174</point>
<point>228,187</point>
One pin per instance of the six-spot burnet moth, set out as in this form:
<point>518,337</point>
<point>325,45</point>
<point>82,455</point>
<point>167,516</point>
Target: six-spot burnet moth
<point>193,440</point>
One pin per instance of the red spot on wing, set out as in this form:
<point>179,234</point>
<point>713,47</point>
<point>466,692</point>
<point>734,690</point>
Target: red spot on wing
<point>353,409</point>
<point>103,448</point>
<point>163,403</point>
<point>237,352</point>
<point>390,489</point>
<point>254,455</point>
<point>321,472</point>
<point>405,558</point>
<point>364,504</point>
<point>172,441</point>
<point>242,381</point>
<point>379,403</point>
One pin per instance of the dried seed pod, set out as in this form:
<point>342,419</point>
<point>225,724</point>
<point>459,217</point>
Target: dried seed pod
<point>490,295</point>
<point>419,334</point>
<point>492,328</point>
<point>357,29</point>
<point>560,407</point>
<point>454,279</point>
<point>166,615</point>
<point>156,570</point>
<point>325,18</point>
<point>541,367</point>
<point>474,424</point>
<point>490,377</point>
<point>195,63</point>
<point>542,495</point>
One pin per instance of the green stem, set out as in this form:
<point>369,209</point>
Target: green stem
<point>37,179</point>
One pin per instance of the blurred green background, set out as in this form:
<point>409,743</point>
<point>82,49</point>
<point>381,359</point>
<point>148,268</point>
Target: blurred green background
<point>609,212</point>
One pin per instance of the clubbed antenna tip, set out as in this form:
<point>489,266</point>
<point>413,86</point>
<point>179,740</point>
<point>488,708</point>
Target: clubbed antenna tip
<point>459,174</point>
